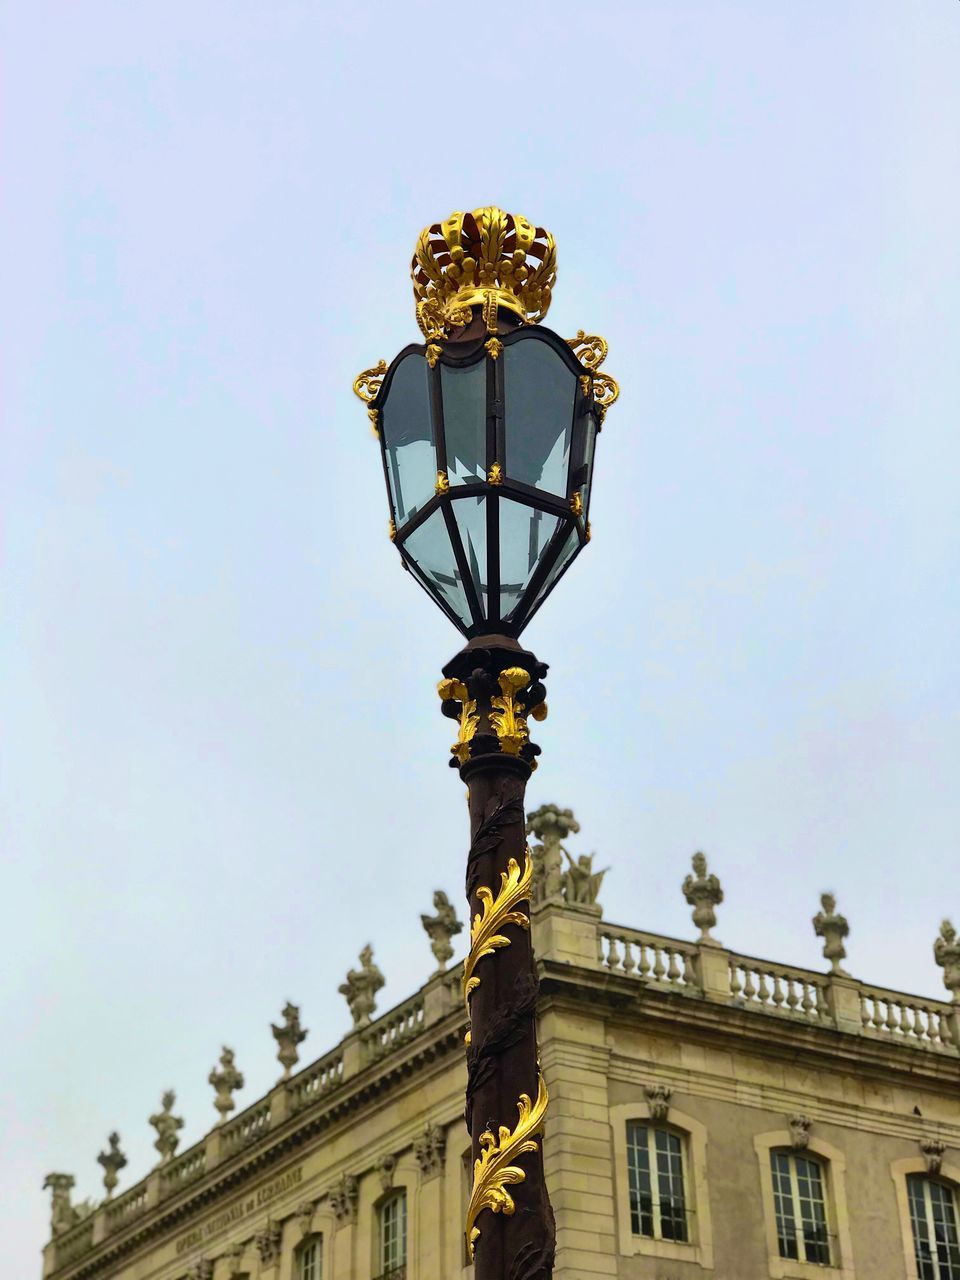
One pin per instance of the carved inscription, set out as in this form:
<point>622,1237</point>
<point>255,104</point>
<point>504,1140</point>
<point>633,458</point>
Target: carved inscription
<point>249,1204</point>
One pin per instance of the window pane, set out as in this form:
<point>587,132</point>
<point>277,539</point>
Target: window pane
<point>310,1260</point>
<point>638,1174</point>
<point>471,517</point>
<point>430,546</point>
<point>673,1213</point>
<point>393,1233</point>
<point>783,1205</point>
<point>570,549</point>
<point>539,393</point>
<point>408,438</point>
<point>524,535</point>
<point>926,1268</point>
<point>944,1215</point>
<point>465,421</point>
<point>813,1214</point>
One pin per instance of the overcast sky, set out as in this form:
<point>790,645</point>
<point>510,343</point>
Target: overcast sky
<point>224,762</point>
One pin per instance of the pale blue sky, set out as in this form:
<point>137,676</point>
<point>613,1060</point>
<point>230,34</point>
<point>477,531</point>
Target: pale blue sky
<point>219,781</point>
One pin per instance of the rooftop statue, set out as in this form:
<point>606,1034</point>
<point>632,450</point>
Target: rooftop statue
<point>946,952</point>
<point>361,987</point>
<point>112,1161</point>
<point>441,928</point>
<point>704,893</point>
<point>167,1126</point>
<point>581,884</point>
<point>551,825</point>
<point>833,928</point>
<point>225,1081</point>
<point>288,1037</point>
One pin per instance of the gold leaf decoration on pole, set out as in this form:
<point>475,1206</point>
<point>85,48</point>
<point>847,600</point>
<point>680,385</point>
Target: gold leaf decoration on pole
<point>494,913</point>
<point>456,691</point>
<point>509,723</point>
<point>493,1171</point>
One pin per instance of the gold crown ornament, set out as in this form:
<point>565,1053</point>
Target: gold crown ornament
<point>486,258</point>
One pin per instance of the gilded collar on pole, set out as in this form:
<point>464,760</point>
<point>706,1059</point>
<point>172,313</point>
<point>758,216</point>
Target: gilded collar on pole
<point>486,258</point>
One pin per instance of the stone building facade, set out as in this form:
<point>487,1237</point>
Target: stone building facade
<point>711,1115</point>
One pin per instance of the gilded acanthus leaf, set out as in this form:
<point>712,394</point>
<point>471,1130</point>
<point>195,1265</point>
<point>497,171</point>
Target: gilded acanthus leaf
<point>605,391</point>
<point>494,1172</point>
<point>456,691</point>
<point>494,914</point>
<point>507,718</point>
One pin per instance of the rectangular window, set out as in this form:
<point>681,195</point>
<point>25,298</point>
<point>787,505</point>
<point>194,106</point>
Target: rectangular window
<point>933,1217</point>
<point>658,1205</point>
<point>310,1260</point>
<point>800,1206</point>
<point>393,1234</point>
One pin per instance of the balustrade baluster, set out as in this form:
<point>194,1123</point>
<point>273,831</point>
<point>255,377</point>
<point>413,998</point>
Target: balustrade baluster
<point>673,971</point>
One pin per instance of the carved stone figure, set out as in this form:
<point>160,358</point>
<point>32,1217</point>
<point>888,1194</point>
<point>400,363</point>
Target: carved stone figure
<point>304,1215</point>
<point>167,1126</point>
<point>225,1082</point>
<point>62,1214</point>
<point>581,884</point>
<point>551,825</point>
<point>658,1099</point>
<point>799,1131</point>
<point>386,1167</point>
<point>269,1242</point>
<point>441,928</point>
<point>430,1149</point>
<point>833,928</point>
<point>343,1198</point>
<point>202,1269</point>
<point>361,987</point>
<point>288,1037</point>
<point>112,1160</point>
<point>946,952</point>
<point>703,892</point>
<point>933,1149</point>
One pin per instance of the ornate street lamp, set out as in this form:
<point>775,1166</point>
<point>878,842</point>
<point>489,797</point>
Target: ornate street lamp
<point>488,431</point>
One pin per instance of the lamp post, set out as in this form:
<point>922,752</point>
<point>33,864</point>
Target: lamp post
<point>488,431</point>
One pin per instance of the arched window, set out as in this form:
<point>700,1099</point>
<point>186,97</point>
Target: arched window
<point>657,1181</point>
<point>308,1263</point>
<point>393,1237</point>
<point>800,1205</point>
<point>933,1219</point>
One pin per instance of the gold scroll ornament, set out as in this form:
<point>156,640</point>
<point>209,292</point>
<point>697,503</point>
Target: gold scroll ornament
<point>494,1172</point>
<point>494,914</point>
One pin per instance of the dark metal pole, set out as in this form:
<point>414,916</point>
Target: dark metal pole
<point>492,687</point>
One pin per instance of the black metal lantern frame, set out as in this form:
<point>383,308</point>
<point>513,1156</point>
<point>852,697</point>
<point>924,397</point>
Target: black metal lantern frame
<point>488,452</point>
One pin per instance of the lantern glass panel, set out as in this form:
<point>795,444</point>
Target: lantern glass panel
<point>408,438</point>
<point>539,396</point>
<point>570,548</point>
<point>590,443</point>
<point>465,421</point>
<point>429,546</point>
<point>471,517</point>
<point>525,534</point>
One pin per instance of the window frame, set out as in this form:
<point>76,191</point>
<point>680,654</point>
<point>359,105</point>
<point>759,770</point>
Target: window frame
<point>651,1129</point>
<point>796,1199</point>
<point>833,1168</point>
<point>312,1241</point>
<point>900,1170</point>
<point>692,1133</point>
<point>398,1195</point>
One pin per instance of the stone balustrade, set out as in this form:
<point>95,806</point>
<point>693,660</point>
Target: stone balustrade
<point>246,1128</point>
<point>126,1208</point>
<point>74,1243</point>
<point>183,1170</point>
<point>394,1029</point>
<point>778,988</point>
<point>316,1080</point>
<point>895,1017</point>
<point>662,961</point>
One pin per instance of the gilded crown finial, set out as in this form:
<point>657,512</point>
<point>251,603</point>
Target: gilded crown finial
<point>486,258</point>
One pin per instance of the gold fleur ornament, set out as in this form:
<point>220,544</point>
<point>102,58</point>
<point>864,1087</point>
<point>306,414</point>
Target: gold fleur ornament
<point>494,1172</point>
